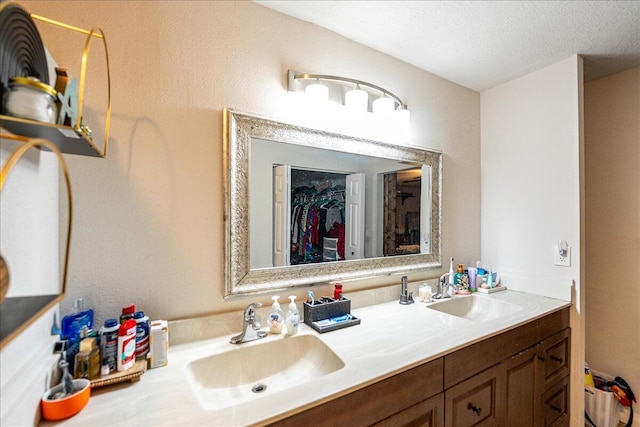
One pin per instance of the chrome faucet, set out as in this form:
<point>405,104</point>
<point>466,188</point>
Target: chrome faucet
<point>445,290</point>
<point>250,326</point>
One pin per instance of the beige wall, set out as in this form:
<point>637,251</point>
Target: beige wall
<point>149,217</point>
<point>612,151</point>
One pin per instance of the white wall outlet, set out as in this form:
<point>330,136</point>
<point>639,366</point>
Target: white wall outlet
<point>563,260</point>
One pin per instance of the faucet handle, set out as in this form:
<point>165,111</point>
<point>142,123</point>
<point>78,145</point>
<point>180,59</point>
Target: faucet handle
<point>250,311</point>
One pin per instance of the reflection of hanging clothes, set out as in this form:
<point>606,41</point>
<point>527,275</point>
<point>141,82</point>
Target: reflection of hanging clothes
<point>338,231</point>
<point>310,221</point>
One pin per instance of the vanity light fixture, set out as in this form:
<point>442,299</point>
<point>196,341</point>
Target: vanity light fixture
<point>358,98</point>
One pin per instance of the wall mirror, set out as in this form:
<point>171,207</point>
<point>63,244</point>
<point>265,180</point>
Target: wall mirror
<point>305,207</point>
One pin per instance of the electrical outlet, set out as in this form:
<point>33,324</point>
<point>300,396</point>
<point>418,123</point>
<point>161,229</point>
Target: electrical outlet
<point>562,260</point>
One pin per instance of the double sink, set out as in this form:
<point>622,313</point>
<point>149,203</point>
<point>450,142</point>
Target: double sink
<point>252,370</point>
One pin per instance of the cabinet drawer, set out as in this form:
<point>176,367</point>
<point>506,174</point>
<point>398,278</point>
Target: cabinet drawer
<point>330,242</point>
<point>330,254</point>
<point>473,402</point>
<point>428,413</point>
<point>555,405</point>
<point>556,357</point>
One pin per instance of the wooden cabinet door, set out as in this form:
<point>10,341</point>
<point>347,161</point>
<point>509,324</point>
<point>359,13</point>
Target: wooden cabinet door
<point>520,388</point>
<point>428,413</point>
<point>555,405</point>
<point>375,402</point>
<point>474,402</point>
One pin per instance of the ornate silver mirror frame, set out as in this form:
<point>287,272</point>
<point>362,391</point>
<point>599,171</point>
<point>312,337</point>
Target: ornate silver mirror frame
<point>240,279</point>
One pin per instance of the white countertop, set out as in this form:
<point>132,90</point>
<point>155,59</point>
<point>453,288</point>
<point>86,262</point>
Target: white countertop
<point>391,338</point>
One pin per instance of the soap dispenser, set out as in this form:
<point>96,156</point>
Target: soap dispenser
<point>293,317</point>
<point>276,317</point>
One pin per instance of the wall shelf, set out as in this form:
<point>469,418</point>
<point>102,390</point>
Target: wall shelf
<point>67,139</point>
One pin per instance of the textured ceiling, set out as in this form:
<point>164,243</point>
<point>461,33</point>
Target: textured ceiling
<point>480,44</point>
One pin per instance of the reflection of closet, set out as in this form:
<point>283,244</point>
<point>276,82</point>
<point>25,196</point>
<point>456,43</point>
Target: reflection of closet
<point>318,216</point>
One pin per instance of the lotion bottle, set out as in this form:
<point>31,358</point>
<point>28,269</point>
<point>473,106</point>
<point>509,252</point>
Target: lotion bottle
<point>293,317</point>
<point>276,317</point>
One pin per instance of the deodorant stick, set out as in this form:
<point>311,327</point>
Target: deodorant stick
<point>127,345</point>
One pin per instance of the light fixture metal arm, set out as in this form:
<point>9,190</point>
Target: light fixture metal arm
<point>353,81</point>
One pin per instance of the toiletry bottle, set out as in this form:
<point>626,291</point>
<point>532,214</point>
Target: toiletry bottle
<point>79,319</point>
<point>481,271</point>
<point>337,291</point>
<point>158,343</point>
<point>127,313</point>
<point>126,345</point>
<point>473,273</point>
<point>109,345</point>
<point>72,327</point>
<point>459,276</point>
<point>276,316</point>
<point>142,334</point>
<point>490,278</point>
<point>293,317</point>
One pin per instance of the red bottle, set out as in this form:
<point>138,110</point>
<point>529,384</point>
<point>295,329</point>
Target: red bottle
<point>337,291</point>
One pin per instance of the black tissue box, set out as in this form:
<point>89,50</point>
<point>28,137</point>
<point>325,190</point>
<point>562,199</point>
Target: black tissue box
<point>326,308</point>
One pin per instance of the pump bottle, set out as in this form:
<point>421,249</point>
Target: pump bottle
<point>293,317</point>
<point>276,317</point>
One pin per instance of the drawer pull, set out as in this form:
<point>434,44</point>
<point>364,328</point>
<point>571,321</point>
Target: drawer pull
<point>555,408</point>
<point>541,359</point>
<point>557,359</point>
<point>474,408</point>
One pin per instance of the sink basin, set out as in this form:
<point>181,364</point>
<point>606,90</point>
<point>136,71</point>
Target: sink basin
<point>476,308</point>
<point>252,370</point>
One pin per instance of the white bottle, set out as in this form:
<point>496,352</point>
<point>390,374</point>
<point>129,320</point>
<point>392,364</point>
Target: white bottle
<point>276,317</point>
<point>293,317</point>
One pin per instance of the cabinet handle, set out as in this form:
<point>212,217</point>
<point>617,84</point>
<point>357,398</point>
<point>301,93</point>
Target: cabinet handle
<point>555,408</point>
<point>541,358</point>
<point>474,408</point>
<point>557,359</point>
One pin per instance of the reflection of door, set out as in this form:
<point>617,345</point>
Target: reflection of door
<point>389,221</point>
<point>425,210</point>
<point>281,214</point>
<point>354,213</point>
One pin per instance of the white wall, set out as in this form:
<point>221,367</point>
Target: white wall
<point>531,190</point>
<point>530,178</point>
<point>29,245</point>
<point>612,151</point>
<point>29,221</point>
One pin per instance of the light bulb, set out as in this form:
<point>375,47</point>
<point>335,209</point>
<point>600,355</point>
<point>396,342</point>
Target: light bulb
<point>317,92</point>
<point>356,100</point>
<point>403,117</point>
<point>383,105</point>
<point>403,124</point>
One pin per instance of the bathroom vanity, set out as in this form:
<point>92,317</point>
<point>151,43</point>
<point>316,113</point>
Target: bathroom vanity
<point>401,365</point>
<point>519,377</point>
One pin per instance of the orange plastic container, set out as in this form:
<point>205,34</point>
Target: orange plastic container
<point>60,409</point>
